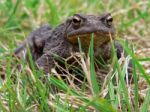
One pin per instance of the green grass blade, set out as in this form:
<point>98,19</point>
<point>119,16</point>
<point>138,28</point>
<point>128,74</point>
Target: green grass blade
<point>12,13</point>
<point>136,98</point>
<point>122,81</point>
<point>145,106</point>
<point>138,65</point>
<point>95,86</point>
<point>53,10</point>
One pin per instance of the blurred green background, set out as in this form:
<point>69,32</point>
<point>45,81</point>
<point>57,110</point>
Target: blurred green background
<point>19,17</point>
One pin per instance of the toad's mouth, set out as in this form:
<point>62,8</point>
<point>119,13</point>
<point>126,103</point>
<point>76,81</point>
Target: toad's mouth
<point>99,38</point>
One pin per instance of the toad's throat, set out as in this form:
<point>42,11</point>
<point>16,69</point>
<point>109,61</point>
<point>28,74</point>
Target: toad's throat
<point>85,39</point>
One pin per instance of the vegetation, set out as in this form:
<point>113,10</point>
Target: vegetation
<point>26,90</point>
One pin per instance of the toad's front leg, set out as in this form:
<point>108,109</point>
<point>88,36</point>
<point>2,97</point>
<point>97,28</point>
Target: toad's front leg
<point>46,61</point>
<point>106,51</point>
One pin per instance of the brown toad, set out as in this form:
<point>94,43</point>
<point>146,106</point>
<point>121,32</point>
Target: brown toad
<point>63,40</point>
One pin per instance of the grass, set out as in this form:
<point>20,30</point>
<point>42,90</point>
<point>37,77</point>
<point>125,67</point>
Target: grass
<point>30,90</point>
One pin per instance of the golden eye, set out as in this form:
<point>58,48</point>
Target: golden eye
<point>109,20</point>
<point>76,20</point>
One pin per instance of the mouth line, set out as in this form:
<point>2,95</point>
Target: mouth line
<point>90,34</point>
<point>85,38</point>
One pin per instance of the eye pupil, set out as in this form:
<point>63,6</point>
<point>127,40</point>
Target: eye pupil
<point>76,20</point>
<point>109,20</point>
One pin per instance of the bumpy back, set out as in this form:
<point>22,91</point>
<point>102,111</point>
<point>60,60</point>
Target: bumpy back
<point>35,42</point>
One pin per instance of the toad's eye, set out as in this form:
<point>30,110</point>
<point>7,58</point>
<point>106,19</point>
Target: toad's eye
<point>109,20</point>
<point>76,20</point>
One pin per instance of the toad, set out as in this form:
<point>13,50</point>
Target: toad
<point>46,43</point>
